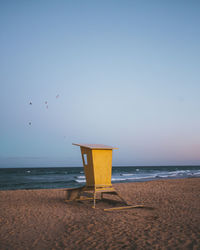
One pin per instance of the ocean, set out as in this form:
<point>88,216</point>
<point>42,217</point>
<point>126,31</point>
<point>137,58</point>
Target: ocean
<point>65,177</point>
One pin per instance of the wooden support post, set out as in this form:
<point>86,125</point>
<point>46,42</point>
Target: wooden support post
<point>94,199</point>
<point>121,208</point>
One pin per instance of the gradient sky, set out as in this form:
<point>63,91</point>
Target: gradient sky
<point>126,72</point>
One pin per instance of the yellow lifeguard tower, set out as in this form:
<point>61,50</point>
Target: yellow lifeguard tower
<point>97,162</point>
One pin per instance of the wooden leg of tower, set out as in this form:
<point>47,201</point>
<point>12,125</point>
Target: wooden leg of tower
<point>94,199</point>
<point>122,199</point>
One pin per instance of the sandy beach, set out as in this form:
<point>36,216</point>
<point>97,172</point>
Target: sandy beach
<point>40,219</point>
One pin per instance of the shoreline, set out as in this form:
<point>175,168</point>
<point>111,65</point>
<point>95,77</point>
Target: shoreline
<point>40,219</point>
<point>53,178</point>
<point>113,183</point>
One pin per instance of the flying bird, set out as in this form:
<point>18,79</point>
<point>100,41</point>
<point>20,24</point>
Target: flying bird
<point>29,123</point>
<point>30,103</point>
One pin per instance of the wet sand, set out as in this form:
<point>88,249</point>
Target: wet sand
<point>40,219</point>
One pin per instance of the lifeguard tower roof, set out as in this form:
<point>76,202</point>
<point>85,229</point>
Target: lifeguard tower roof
<point>94,146</point>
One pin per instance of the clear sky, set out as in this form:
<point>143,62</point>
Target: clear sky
<point>127,74</point>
